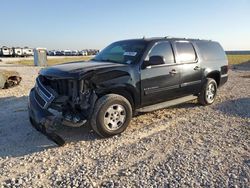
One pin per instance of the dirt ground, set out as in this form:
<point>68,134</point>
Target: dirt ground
<point>183,146</point>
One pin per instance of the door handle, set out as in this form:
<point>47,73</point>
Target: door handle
<point>196,68</point>
<point>173,72</point>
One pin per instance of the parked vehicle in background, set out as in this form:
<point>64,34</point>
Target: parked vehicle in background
<point>67,52</point>
<point>5,51</point>
<point>74,53</point>
<point>58,53</point>
<point>92,51</point>
<point>51,53</point>
<point>83,53</point>
<point>138,75</point>
<point>17,52</point>
<point>27,52</point>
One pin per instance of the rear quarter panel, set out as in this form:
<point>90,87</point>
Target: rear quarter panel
<point>212,58</point>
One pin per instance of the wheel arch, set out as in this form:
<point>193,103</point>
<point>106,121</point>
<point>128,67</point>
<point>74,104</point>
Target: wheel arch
<point>126,92</point>
<point>214,75</point>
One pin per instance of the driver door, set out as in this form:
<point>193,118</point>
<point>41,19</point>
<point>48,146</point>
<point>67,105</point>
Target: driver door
<point>160,82</point>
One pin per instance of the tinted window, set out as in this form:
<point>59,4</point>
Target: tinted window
<point>125,52</point>
<point>163,49</point>
<point>117,49</point>
<point>211,50</point>
<point>185,52</point>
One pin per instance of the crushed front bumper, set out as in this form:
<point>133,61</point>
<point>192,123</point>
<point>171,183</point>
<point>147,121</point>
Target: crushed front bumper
<point>43,120</point>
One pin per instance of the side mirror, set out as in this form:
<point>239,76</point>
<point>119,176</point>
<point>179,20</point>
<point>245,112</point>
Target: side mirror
<point>156,60</point>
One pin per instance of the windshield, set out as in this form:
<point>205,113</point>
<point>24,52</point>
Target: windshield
<point>125,52</point>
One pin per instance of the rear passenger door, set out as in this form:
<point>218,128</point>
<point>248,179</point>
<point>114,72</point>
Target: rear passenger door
<point>191,73</point>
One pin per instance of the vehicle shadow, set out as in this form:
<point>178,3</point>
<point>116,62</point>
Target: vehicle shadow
<point>237,107</point>
<point>187,105</point>
<point>244,66</point>
<point>19,138</point>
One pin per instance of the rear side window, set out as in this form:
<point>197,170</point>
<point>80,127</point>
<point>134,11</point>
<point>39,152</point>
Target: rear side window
<point>211,50</point>
<point>163,49</point>
<point>185,52</point>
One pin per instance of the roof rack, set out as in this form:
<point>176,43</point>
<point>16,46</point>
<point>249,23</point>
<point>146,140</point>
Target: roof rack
<point>173,38</point>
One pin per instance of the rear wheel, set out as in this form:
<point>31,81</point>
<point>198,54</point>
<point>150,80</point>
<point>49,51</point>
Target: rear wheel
<point>111,116</point>
<point>208,92</point>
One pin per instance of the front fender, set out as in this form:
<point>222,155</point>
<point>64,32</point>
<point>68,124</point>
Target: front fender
<point>118,82</point>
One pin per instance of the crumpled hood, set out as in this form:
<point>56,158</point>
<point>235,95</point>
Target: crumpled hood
<point>76,69</point>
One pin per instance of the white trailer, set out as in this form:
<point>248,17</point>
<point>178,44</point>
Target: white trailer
<point>67,52</point>
<point>75,52</point>
<point>5,51</point>
<point>17,52</point>
<point>27,51</point>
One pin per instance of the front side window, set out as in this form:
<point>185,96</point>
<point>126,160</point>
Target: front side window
<point>125,52</point>
<point>185,52</point>
<point>163,49</point>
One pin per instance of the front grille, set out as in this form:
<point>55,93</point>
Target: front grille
<point>43,95</point>
<point>41,87</point>
<point>40,100</point>
<point>60,86</point>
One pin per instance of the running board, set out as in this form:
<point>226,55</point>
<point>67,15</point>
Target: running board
<point>166,104</point>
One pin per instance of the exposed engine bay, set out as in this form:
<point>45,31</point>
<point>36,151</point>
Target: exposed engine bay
<point>73,99</point>
<point>64,101</point>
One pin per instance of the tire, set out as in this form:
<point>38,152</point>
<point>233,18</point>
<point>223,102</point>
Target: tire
<point>207,97</point>
<point>111,116</point>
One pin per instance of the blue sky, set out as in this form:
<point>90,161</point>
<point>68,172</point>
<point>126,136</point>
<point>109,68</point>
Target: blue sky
<point>79,24</point>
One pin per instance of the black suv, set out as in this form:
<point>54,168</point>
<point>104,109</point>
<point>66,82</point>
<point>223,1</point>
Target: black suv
<point>128,76</point>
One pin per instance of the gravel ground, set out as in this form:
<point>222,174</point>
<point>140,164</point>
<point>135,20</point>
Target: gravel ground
<point>184,146</point>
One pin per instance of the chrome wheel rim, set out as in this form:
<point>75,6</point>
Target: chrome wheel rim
<point>210,93</point>
<point>114,117</point>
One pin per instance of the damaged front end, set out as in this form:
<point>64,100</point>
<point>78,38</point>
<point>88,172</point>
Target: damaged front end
<point>55,101</point>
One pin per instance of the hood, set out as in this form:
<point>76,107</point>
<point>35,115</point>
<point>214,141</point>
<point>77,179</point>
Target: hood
<point>76,69</point>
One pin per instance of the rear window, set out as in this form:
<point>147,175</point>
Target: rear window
<point>185,52</point>
<point>211,50</point>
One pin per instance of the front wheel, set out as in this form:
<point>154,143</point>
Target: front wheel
<point>208,92</point>
<point>111,116</point>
